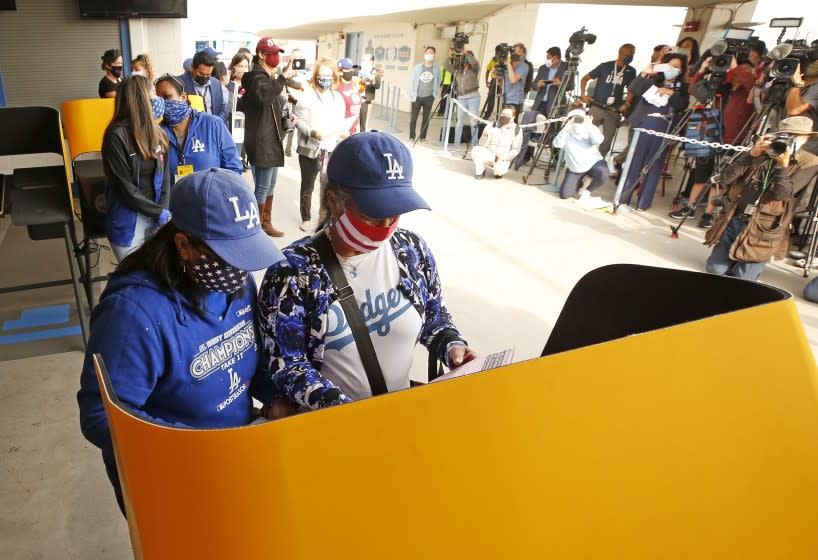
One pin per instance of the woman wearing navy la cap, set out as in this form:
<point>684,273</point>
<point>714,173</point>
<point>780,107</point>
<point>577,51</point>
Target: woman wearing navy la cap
<point>176,325</point>
<point>314,358</point>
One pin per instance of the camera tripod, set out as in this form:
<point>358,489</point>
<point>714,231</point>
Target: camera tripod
<point>559,108</point>
<point>623,177</point>
<point>457,64</point>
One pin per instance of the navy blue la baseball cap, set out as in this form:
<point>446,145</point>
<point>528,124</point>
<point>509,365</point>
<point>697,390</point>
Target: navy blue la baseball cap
<point>375,168</point>
<point>218,207</point>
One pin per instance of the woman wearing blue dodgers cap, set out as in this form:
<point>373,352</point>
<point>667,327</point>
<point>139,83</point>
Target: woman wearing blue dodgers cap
<point>313,358</point>
<point>176,325</point>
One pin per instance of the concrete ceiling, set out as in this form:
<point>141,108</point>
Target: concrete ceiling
<point>444,15</point>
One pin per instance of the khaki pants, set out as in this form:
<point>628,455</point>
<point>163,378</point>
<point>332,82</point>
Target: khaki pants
<point>608,120</point>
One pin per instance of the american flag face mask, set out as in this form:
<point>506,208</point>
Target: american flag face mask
<point>217,276</point>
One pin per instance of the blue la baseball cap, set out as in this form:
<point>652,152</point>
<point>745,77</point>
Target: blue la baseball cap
<point>218,207</point>
<point>375,168</point>
<point>210,51</point>
<point>345,64</point>
<point>187,64</point>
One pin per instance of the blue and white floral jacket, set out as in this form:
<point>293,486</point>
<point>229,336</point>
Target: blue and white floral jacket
<point>294,302</point>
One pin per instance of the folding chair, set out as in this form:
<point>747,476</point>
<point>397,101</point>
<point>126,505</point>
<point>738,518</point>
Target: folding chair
<point>85,122</point>
<point>40,196</point>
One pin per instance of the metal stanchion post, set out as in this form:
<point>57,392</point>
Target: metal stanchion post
<point>623,175</point>
<point>555,186</point>
<point>384,106</point>
<point>448,124</point>
<point>393,122</point>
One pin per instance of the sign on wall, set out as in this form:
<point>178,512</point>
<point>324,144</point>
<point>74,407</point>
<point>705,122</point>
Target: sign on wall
<point>390,50</point>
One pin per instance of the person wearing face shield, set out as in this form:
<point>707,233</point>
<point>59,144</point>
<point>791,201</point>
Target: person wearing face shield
<point>112,65</point>
<point>177,323</point>
<point>319,118</point>
<point>313,355</point>
<point>200,81</point>
<point>580,140</point>
<point>664,103</point>
<point>608,102</point>
<point>763,186</point>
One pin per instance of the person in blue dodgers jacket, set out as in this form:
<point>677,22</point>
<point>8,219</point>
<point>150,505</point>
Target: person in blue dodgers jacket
<point>134,159</point>
<point>197,141</point>
<point>309,349</point>
<point>176,325</point>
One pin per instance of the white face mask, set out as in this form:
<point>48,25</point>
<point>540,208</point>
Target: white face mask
<point>428,57</point>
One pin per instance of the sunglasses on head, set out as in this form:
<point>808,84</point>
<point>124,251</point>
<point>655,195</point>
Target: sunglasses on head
<point>166,77</point>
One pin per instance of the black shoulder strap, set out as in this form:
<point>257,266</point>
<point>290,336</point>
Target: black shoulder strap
<point>346,296</point>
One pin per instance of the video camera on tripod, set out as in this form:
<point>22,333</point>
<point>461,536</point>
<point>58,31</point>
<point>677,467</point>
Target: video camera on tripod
<point>786,57</point>
<point>459,42</point>
<point>735,43</point>
<point>577,41</point>
<point>501,54</point>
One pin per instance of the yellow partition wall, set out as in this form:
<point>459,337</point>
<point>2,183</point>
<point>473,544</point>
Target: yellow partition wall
<point>694,441</point>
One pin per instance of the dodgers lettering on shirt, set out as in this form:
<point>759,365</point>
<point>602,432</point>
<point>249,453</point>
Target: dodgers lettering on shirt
<point>393,324</point>
<point>379,313</point>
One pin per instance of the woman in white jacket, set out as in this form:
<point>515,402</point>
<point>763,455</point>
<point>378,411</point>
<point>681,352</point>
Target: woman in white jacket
<point>319,117</point>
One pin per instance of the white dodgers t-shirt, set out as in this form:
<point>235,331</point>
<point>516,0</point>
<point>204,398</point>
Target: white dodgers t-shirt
<point>394,325</point>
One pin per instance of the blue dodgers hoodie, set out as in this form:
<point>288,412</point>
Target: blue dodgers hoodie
<point>208,144</point>
<point>167,362</point>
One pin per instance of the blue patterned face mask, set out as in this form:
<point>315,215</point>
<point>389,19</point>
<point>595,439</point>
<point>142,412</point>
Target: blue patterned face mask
<point>176,111</point>
<point>158,106</point>
<point>324,83</point>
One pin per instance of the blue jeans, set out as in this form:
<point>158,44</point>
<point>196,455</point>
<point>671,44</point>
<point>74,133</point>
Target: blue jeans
<point>472,104</point>
<point>265,180</point>
<point>599,173</point>
<point>719,261</point>
<point>145,225</point>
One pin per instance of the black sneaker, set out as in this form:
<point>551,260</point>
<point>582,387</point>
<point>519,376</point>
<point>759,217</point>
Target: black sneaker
<point>682,212</point>
<point>706,221</point>
<point>480,176</point>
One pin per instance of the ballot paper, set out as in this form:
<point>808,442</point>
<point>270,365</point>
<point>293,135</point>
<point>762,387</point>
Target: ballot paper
<point>481,363</point>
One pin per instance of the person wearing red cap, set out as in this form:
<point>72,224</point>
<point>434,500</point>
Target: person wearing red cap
<point>263,104</point>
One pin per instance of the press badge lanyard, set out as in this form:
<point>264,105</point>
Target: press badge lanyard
<point>614,76</point>
<point>750,209</point>
<point>182,168</point>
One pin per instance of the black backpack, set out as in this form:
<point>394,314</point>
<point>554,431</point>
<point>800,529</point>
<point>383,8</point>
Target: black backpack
<point>528,77</point>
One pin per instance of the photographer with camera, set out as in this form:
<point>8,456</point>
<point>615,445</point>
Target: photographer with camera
<point>763,186</point>
<point>802,99</point>
<point>264,104</point>
<point>608,102</point>
<point>466,79</point>
<point>667,100</point>
<point>580,140</point>
<point>515,72</point>
<point>548,80</point>
<point>738,110</point>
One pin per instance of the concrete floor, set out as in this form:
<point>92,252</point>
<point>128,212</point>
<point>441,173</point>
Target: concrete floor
<point>508,255</point>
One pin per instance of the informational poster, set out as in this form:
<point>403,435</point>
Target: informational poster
<point>390,50</point>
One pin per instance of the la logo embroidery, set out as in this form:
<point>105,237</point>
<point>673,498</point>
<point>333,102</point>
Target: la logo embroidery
<point>394,170</point>
<point>234,380</point>
<point>251,216</point>
<point>197,146</point>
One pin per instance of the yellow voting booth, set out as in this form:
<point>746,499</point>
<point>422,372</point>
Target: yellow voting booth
<point>197,102</point>
<point>656,425</point>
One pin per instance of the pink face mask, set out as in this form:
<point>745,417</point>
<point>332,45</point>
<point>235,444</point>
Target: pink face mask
<point>360,235</point>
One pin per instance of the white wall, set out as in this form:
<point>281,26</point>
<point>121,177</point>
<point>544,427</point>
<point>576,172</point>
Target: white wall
<point>162,40</point>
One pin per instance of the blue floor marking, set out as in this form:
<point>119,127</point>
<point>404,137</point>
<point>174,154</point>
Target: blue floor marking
<point>39,317</point>
<point>39,335</point>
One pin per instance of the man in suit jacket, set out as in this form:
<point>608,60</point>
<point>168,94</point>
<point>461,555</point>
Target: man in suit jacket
<point>548,80</point>
<point>200,82</point>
